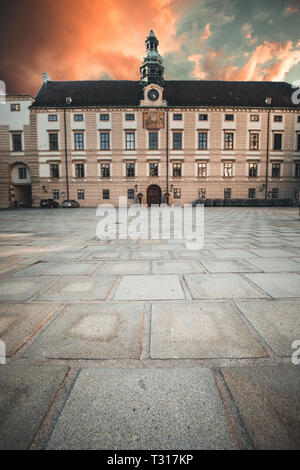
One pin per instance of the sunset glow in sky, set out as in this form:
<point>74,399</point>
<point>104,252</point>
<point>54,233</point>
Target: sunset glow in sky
<point>104,39</point>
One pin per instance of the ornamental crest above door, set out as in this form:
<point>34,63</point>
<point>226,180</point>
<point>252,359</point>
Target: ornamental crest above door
<point>153,120</point>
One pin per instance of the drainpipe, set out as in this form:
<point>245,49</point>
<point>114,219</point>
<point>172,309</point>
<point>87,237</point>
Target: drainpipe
<point>268,101</point>
<point>167,153</point>
<point>66,156</point>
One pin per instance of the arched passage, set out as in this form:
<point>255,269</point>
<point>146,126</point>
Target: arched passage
<point>20,185</point>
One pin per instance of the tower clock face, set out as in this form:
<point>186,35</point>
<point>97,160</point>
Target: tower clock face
<point>153,94</point>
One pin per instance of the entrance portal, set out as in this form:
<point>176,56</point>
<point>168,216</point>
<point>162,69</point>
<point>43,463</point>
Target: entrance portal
<point>153,195</point>
<point>20,186</point>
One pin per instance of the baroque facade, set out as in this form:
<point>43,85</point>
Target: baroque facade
<point>151,140</point>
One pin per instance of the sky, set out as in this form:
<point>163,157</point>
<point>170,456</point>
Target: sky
<point>105,39</point>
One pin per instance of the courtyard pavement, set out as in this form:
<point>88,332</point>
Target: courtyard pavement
<point>147,344</point>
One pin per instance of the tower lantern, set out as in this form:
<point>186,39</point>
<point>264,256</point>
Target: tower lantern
<point>152,69</point>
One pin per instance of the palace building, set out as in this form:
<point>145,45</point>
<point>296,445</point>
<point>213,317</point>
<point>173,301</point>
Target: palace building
<point>151,140</point>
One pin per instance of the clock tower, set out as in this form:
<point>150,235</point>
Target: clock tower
<point>152,69</point>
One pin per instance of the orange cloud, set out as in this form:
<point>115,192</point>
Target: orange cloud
<point>206,33</point>
<point>293,7</point>
<point>82,39</point>
<point>218,66</point>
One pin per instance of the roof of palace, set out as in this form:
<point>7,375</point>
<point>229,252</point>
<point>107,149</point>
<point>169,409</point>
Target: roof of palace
<point>176,92</point>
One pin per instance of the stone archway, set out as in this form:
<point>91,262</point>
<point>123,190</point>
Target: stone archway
<point>153,195</point>
<point>20,185</point>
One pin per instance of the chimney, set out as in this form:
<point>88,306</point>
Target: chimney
<point>46,77</point>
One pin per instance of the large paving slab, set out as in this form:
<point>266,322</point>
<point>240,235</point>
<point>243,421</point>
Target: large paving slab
<point>79,288</point>
<point>22,289</point>
<point>278,285</point>
<point>154,287</point>
<point>232,254</point>
<point>218,286</point>
<point>228,266</point>
<point>176,266</point>
<point>143,409</point>
<point>272,253</point>
<point>268,402</point>
<point>151,255</point>
<point>124,267</point>
<point>201,330</point>
<point>26,392</point>
<point>19,321</point>
<point>278,322</point>
<point>275,264</point>
<point>97,331</point>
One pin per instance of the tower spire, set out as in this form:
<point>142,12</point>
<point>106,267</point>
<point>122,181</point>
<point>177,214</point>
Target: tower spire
<point>152,69</point>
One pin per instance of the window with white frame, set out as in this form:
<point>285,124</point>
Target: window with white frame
<point>130,170</point>
<point>202,193</point>
<point>254,117</point>
<point>276,170</point>
<point>153,169</point>
<point>78,141</point>
<point>177,193</point>
<point>22,173</point>
<point>227,193</point>
<point>251,193</point>
<point>53,141</point>
<point>16,142</point>
<point>54,170</point>
<point>228,169</point>
<point>202,140</point>
<point>254,141</point>
<point>130,141</point>
<point>177,170</point>
<point>105,170</point>
<point>80,193</point>
<point>253,170</point>
<point>104,141</point>
<point>202,169</point>
<point>228,141</point>
<point>79,170</point>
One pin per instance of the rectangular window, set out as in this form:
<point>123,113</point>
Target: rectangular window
<point>55,193</point>
<point>202,193</point>
<point>277,141</point>
<point>202,170</point>
<point>227,193</point>
<point>275,193</point>
<point>130,194</point>
<point>129,117</point>
<point>177,140</point>
<point>229,117</point>
<point>104,117</point>
<point>15,107</point>
<point>254,117</point>
<point>153,169</point>
<point>79,170</point>
<point>52,117</point>
<point>298,119</point>
<point>177,117</point>
<point>78,136</point>
<point>130,141</point>
<point>22,173</point>
<point>53,141</point>
<point>298,142</point>
<point>54,170</point>
<point>104,140</point>
<point>177,193</point>
<point>105,194</point>
<point>297,170</point>
<point>254,141</point>
<point>80,193</point>
<point>203,117</point>
<point>153,140</point>
<point>228,170</point>
<point>251,193</point>
<point>105,170</point>
<point>130,170</point>
<point>253,170</point>
<point>78,117</point>
<point>277,118</point>
<point>276,170</point>
<point>202,140</point>
<point>17,142</point>
<point>176,170</point>
<point>228,141</point>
